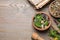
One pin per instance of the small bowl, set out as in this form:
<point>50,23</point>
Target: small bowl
<point>40,29</point>
<point>52,11</point>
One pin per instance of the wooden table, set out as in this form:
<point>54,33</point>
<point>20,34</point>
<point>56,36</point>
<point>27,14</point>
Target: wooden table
<point>16,20</point>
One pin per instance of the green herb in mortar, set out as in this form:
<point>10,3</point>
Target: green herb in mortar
<point>40,21</point>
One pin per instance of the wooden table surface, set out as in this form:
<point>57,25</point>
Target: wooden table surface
<point>16,20</point>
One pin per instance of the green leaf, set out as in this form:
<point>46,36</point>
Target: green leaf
<point>46,23</point>
<point>37,20</point>
<point>39,17</point>
<point>52,33</point>
<point>38,24</point>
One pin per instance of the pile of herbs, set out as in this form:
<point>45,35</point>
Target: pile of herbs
<point>54,34</point>
<point>40,21</point>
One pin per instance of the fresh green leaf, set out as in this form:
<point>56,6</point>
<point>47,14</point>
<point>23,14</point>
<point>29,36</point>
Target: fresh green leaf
<point>39,17</point>
<point>46,23</point>
<point>52,33</point>
<point>37,24</point>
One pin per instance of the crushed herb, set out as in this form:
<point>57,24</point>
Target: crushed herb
<point>54,34</point>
